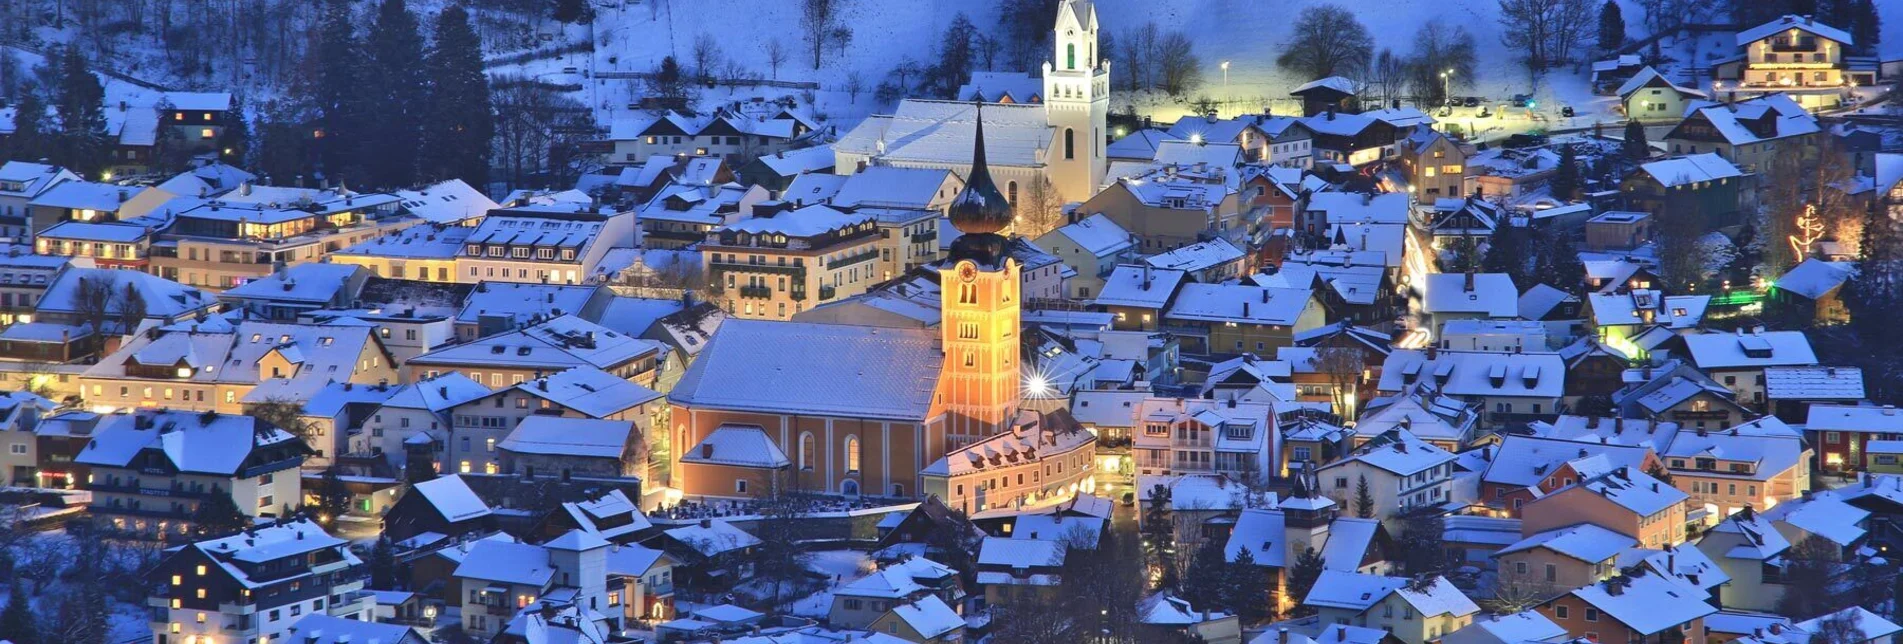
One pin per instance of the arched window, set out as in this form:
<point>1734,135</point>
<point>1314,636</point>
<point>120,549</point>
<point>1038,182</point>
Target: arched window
<point>852,453</point>
<point>1070,56</point>
<point>849,488</point>
<point>1011,192</point>
<point>1070,143</point>
<point>806,451</point>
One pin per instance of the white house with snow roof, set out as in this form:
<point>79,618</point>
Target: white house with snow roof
<point>1094,246</point>
<point>1414,612</point>
<point>1798,56</point>
<point>1403,473</point>
<point>256,584</point>
<point>152,469</point>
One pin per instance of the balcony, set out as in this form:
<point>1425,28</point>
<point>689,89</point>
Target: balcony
<point>794,271</point>
<point>756,292</point>
<point>864,256</point>
<point>827,293</point>
<point>920,238</point>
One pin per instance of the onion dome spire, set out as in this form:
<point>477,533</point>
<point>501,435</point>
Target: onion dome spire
<point>980,208</point>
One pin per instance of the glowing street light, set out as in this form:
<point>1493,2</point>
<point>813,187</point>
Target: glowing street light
<point>1225,76</point>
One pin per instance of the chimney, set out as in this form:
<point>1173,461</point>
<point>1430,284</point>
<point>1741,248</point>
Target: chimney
<point>1281,636</point>
<point>1469,288</point>
<point>1341,634</point>
<point>706,450</point>
<point>122,195</point>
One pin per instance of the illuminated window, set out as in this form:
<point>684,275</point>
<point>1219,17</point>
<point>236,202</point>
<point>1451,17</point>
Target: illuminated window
<point>201,570</point>
<point>852,453</point>
<point>206,133</point>
<point>465,467</point>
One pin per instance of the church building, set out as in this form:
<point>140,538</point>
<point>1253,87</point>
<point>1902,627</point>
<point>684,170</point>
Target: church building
<point>849,409</point>
<point>1055,135</point>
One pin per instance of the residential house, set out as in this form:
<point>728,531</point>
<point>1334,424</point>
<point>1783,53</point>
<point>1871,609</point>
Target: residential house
<point>1814,288</point>
<point>1641,608</point>
<point>1549,563</point>
<point>1748,133</point>
<point>20,183</point>
<point>498,579</point>
<point>777,264</point>
<point>1403,473</point>
<point>1094,246</point>
<point>1225,318</point>
<point>1649,97</point>
<point>214,365</point>
<point>444,507</point>
<point>1138,295</point>
<point>553,244</point>
<point>1842,435</point>
<point>1790,55</point>
<point>582,447</point>
<point>1414,612</point>
<point>1704,183</point>
<point>262,584</point>
<point>1739,359</point>
<point>251,231</point>
<point>1623,500</point>
<point>284,295</point>
<point>1052,448</point>
<point>152,469</point>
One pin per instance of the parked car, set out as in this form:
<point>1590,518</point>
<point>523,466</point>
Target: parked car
<point>1473,101</point>
<point>1566,111</point>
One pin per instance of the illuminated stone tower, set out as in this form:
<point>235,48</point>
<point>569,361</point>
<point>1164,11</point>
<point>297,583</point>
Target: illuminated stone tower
<point>979,286</point>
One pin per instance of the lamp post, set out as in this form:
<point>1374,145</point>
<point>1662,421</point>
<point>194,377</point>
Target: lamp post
<point>1225,77</point>
<point>1447,84</point>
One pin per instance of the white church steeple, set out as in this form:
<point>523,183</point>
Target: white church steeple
<point>1076,101</point>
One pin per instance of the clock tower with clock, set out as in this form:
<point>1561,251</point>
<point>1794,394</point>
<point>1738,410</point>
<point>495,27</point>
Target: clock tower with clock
<point>979,290</point>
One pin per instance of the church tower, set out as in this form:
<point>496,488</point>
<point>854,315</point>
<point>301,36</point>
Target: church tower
<point>1076,101</point>
<point>979,288</point>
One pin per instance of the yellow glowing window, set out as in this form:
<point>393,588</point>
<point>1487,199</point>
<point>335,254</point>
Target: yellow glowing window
<point>201,570</point>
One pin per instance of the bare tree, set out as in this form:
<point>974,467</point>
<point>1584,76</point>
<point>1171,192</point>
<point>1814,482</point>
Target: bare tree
<point>284,414</point>
<point>1182,71</point>
<point>92,303</point>
<point>775,56</point>
<point>1343,367</point>
<point>706,57</point>
<point>1139,48</point>
<point>1546,31</point>
<point>131,308</point>
<point>1039,210</point>
<point>1443,56</point>
<point>1328,41</point>
<point>816,21</point>
<point>1387,75</point>
<point>855,83</point>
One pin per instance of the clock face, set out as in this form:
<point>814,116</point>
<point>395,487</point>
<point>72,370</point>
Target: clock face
<point>967,271</point>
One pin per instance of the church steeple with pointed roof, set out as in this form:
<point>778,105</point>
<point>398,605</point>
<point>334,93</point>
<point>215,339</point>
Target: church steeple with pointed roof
<point>980,210</point>
<point>979,287</point>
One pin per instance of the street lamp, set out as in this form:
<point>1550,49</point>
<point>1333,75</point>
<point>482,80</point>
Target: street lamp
<point>1225,76</point>
<point>1447,84</point>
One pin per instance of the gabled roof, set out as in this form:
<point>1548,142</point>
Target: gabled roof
<point>1398,452</point>
<point>507,562</point>
<point>842,370</point>
<point>737,445</point>
<point>1747,350</point>
<point>590,391</point>
<point>1139,287</point>
<point>1646,604</point>
<point>1650,76</point>
<point>1359,592</point>
<point>1492,295</point>
<point>1585,542</point>
<point>1789,22</point>
<point>192,442</point>
<point>1756,538</point>
<point>578,437</point>
<point>451,496</point>
<point>1097,234</point>
<point>1630,489</point>
<point>1814,278</point>
<point>1689,169</point>
<point>1261,532</point>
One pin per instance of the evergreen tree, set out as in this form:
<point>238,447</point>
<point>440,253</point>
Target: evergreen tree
<point>1245,588</point>
<point>1875,297</point>
<point>1364,499</point>
<point>670,87</point>
<point>1565,183</point>
<point>1507,252</point>
<point>341,97</point>
<point>235,141</point>
<point>383,572</point>
<point>956,54</point>
<point>218,515</point>
<point>394,52</point>
<point>333,500</point>
<point>30,140</point>
<point>1611,26</point>
<point>1558,260</point>
<point>1635,146</point>
<point>1866,26</point>
<point>79,101</point>
<point>417,470</point>
<point>1422,551</point>
<point>460,120</point>
<point>16,622</point>
<point>572,11</point>
<point>1301,578</point>
<point>1203,582</point>
<point>1159,537</point>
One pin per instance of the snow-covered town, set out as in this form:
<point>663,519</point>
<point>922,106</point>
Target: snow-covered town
<point>951,321</point>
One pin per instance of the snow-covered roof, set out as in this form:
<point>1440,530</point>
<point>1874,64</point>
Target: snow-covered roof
<point>1688,564</point>
<point>1337,83</point>
<point>713,536</point>
<point>1769,456</point>
<point>1398,452</point>
<point>1823,516</point>
<point>310,283</point>
<point>1197,256</point>
<point>1262,533</point>
<point>1097,234</point>
<point>1021,553</point>
<point>1757,538</point>
<point>446,202</point>
<point>1645,306</point>
<point>1139,286</point>
<point>1689,169</point>
<point>1646,604</point>
<point>1523,461</point>
<point>1784,117</point>
<point>1348,541</point>
<point>1240,304</point>
<point>163,298</point>
<point>558,343</point>
<point>590,391</point>
<point>799,161</point>
<point>1853,418</point>
<point>818,369</point>
<point>1814,278</point>
<point>1165,610</point>
<point>1353,207</point>
<point>1517,628</point>
<point>737,445</point>
<point>896,187</point>
<point>1424,416</point>
<point>1648,76</point>
<point>1789,22</point>
<point>295,538</point>
<point>1476,373</point>
<point>320,628</point>
<point>451,496</point>
<point>1492,295</point>
<point>1585,542</point>
<point>1358,592</point>
<point>1002,87</point>
<point>192,442</point>
<point>507,562</point>
<point>940,132</point>
<point>1195,491</point>
<point>929,616</point>
<point>522,300</point>
<point>581,437</point>
<point>438,393</point>
<point>85,195</point>
<point>1138,145</point>
<point>416,242</point>
<point>1630,489</point>
<point>809,221</point>
<point>90,231</point>
<point>613,509</point>
<point>1749,349</point>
